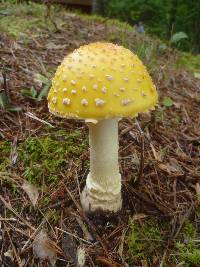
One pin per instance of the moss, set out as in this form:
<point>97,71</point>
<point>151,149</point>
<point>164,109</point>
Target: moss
<point>5,164</point>
<point>5,149</point>
<point>21,9</point>
<point>21,20</point>
<point>189,61</point>
<point>144,241</point>
<point>188,247</point>
<point>188,254</point>
<point>54,216</point>
<point>20,27</point>
<point>109,22</point>
<point>42,158</point>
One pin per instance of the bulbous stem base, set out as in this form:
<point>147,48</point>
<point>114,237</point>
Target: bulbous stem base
<point>91,203</point>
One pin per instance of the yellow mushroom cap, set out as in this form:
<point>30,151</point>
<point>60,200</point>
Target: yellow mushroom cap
<point>100,81</point>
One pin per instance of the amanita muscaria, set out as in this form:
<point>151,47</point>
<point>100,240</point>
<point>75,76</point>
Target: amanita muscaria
<point>101,83</point>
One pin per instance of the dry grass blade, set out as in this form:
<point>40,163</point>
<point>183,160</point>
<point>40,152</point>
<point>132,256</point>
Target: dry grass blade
<point>8,206</point>
<point>18,259</point>
<point>75,236</point>
<point>32,116</point>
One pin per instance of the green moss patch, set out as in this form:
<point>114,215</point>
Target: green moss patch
<point>149,240</point>
<point>145,241</point>
<point>189,61</point>
<point>5,149</point>
<point>188,247</point>
<point>43,158</point>
<point>23,19</point>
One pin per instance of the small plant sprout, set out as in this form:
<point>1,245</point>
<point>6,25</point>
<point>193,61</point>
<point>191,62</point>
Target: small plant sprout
<point>101,104</point>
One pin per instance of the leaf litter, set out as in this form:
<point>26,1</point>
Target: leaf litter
<point>170,175</point>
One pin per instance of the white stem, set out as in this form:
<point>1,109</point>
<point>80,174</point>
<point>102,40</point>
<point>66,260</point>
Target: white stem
<point>104,167</point>
<point>103,184</point>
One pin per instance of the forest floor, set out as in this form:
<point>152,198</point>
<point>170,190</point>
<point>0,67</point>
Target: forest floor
<point>44,160</point>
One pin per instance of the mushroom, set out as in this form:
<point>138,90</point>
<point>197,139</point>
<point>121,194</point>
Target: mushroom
<point>101,83</point>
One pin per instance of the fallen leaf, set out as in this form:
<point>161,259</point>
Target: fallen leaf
<point>164,167</point>
<point>138,216</point>
<point>54,46</point>
<point>44,248</point>
<point>17,46</point>
<point>178,104</point>
<point>31,191</point>
<point>9,254</point>
<point>174,166</point>
<point>81,257</point>
<point>135,160</point>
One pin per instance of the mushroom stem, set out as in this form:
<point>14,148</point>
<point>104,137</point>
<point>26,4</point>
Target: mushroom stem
<point>103,184</point>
